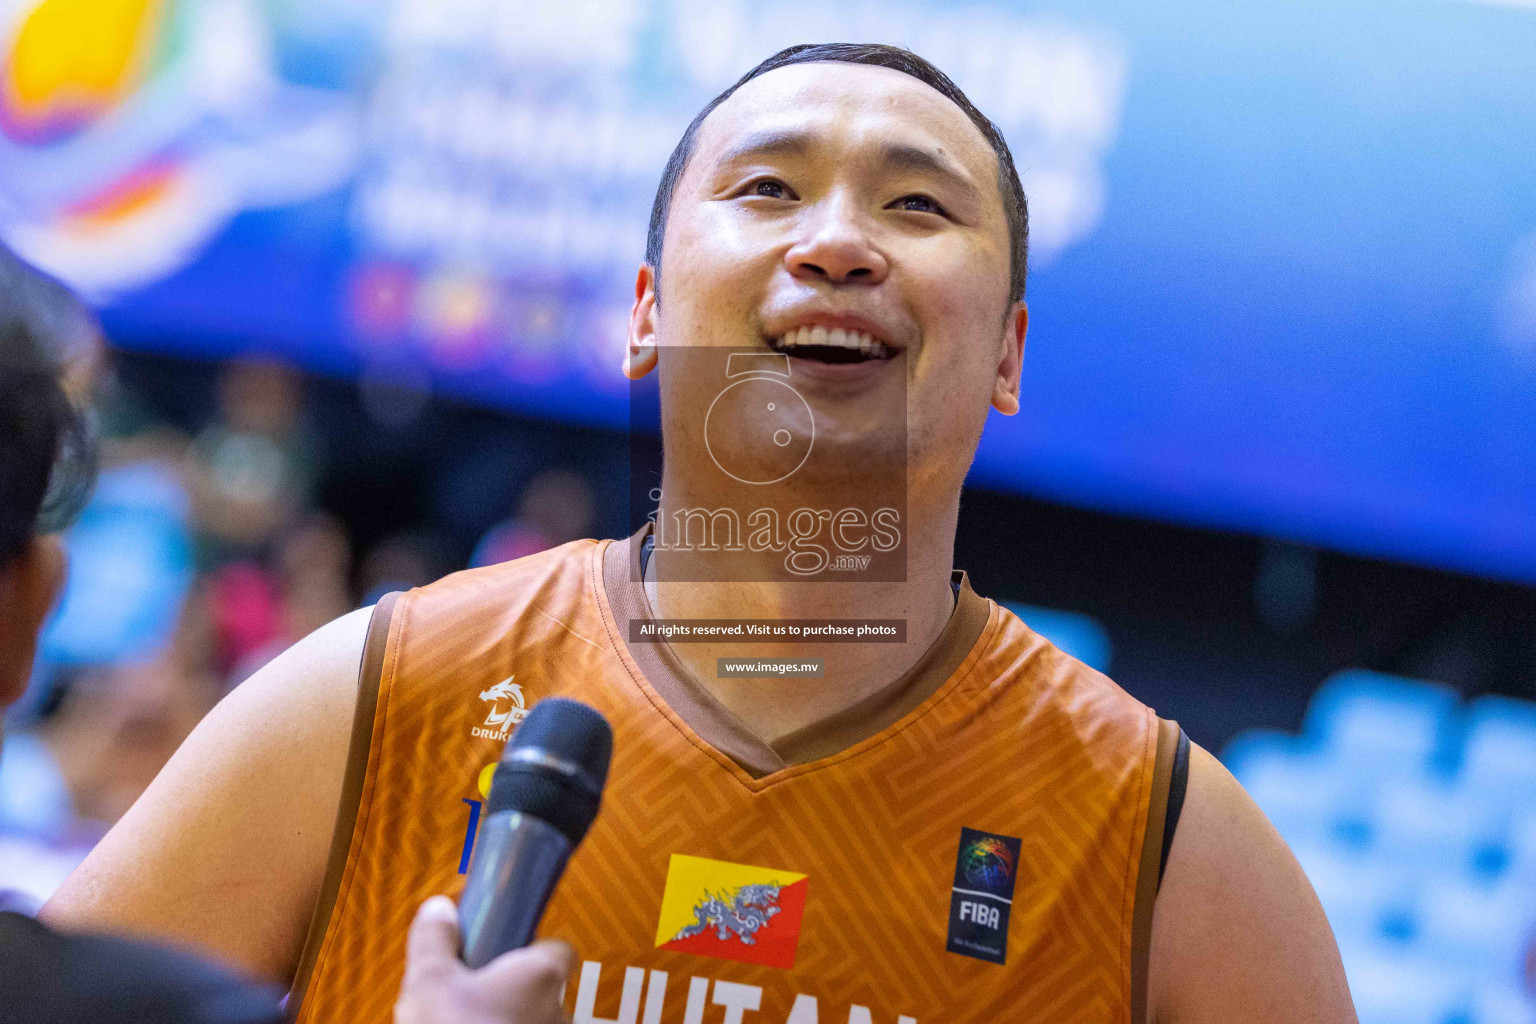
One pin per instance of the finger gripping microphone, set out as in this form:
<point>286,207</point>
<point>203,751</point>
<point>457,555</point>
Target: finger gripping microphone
<point>544,795</point>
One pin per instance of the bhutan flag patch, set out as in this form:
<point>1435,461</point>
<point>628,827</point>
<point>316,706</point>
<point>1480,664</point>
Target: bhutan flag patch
<point>731,911</point>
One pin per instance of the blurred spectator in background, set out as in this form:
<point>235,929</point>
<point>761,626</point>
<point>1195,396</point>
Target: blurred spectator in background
<point>260,609</point>
<point>400,562</point>
<point>255,466</point>
<point>101,738</point>
<point>113,726</point>
<point>556,506</point>
<point>313,562</point>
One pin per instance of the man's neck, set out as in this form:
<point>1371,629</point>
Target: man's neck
<point>774,708</point>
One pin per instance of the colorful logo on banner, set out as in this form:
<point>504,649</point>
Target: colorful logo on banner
<point>731,911</point>
<point>72,61</point>
<point>131,131</point>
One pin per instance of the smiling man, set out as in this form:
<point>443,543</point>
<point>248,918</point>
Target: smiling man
<point>957,823</point>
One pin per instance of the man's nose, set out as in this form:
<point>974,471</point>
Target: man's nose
<point>837,249</point>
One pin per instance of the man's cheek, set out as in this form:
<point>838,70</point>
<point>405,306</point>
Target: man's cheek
<point>732,240</point>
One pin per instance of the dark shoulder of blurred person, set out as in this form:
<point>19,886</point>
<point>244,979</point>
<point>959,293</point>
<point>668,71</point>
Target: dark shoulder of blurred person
<point>47,466</point>
<point>46,977</point>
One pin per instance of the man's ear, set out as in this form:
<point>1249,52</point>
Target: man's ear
<point>28,588</point>
<point>640,350</point>
<point>1005,389</point>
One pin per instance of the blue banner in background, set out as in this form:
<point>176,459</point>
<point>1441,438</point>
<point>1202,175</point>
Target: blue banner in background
<point>1284,256</point>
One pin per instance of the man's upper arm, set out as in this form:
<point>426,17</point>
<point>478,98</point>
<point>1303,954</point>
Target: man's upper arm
<point>226,850</point>
<point>1237,933</point>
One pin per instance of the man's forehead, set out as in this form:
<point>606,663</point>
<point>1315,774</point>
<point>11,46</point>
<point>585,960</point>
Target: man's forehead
<point>838,97</point>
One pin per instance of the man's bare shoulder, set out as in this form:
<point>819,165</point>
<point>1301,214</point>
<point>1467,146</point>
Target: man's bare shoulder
<point>226,850</point>
<point>1238,934</point>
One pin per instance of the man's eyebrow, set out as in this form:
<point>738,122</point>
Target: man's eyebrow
<point>769,142</point>
<point>904,157</point>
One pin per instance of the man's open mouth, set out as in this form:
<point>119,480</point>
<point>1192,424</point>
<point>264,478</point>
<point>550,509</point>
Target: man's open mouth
<point>832,345</point>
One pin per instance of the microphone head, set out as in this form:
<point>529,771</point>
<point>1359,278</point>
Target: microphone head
<point>555,766</point>
<point>570,731</point>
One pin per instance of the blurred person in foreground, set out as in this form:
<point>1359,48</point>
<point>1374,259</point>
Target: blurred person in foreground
<point>987,828</point>
<point>47,466</point>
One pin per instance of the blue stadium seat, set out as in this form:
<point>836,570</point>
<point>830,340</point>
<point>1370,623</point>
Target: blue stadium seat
<point>1425,862</point>
<point>1430,823</point>
<point>1389,988</point>
<point>1496,1005</point>
<point>1520,851</point>
<point>1301,791</point>
<point>1381,725</point>
<point>1252,752</point>
<point>1483,930</point>
<point>1364,895</point>
<point>1498,764</point>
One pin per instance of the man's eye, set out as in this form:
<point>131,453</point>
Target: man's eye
<point>918,204</point>
<point>770,188</point>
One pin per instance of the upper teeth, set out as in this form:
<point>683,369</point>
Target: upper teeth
<point>834,336</point>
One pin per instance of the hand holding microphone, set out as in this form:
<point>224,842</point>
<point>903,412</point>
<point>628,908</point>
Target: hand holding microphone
<point>520,987</point>
<point>544,794</point>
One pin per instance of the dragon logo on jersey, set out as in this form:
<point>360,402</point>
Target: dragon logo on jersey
<point>507,709</point>
<point>731,911</point>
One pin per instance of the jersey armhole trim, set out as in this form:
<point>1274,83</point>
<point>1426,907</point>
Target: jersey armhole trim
<point>369,676</point>
<point>1149,871</point>
<point>1176,787</point>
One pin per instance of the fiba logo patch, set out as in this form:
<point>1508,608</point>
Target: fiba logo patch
<point>986,867</point>
<point>507,709</point>
<point>988,864</point>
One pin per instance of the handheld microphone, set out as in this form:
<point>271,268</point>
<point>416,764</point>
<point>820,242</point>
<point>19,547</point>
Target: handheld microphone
<point>544,795</point>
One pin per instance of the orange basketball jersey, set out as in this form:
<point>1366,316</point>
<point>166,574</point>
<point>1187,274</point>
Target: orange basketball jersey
<point>987,850</point>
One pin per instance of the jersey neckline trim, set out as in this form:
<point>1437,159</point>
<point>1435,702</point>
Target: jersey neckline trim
<point>872,719</point>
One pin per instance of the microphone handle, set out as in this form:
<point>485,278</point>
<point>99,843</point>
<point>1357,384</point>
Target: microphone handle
<point>517,861</point>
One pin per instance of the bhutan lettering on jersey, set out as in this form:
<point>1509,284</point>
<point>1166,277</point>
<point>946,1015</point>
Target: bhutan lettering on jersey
<point>978,855</point>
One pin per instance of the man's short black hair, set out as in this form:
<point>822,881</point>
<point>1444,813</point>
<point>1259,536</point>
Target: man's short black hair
<point>878,55</point>
<point>47,454</point>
